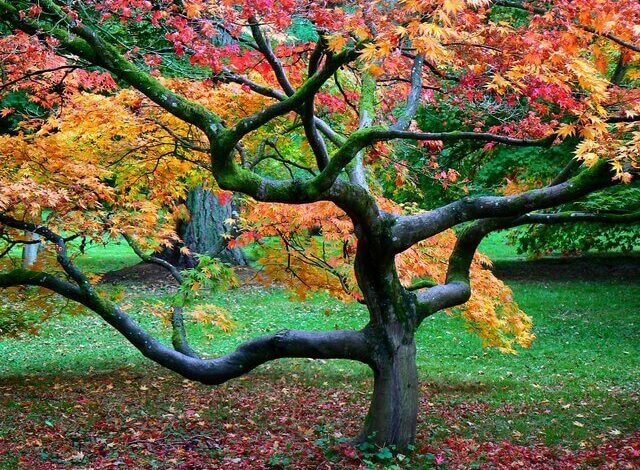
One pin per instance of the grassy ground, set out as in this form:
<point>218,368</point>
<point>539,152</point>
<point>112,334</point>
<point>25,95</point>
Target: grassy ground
<point>579,384</point>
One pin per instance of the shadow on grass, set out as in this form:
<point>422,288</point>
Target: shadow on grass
<point>620,268</point>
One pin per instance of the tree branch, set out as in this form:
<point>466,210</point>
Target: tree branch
<point>409,230</point>
<point>265,48</point>
<point>323,126</point>
<point>291,103</point>
<point>364,137</point>
<point>576,216</point>
<point>337,344</point>
<point>179,336</point>
<point>366,111</point>
<point>413,100</point>
<point>541,11</point>
<point>26,76</point>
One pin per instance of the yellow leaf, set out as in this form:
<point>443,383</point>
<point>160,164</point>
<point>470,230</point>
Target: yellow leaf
<point>193,9</point>
<point>566,130</point>
<point>336,42</point>
<point>453,6</point>
<point>590,158</point>
<point>375,70</point>
<point>498,84</point>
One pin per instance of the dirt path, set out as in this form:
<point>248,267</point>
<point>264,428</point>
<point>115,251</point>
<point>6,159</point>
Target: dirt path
<point>619,268</point>
<point>157,276</point>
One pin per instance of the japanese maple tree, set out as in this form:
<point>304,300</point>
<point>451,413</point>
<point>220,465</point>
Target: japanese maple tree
<point>341,83</point>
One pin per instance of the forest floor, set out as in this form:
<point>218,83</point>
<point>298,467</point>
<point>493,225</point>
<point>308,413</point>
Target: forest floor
<point>77,396</point>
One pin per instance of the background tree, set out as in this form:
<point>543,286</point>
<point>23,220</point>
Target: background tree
<point>205,230</point>
<point>350,91</point>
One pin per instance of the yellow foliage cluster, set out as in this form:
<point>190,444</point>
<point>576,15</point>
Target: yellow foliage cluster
<point>124,169</point>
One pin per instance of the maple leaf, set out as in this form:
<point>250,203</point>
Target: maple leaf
<point>336,42</point>
<point>453,6</point>
<point>566,130</point>
<point>193,8</point>
<point>4,112</point>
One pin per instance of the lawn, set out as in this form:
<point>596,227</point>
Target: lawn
<point>77,394</point>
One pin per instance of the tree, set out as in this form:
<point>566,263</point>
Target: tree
<point>205,231</point>
<point>347,79</point>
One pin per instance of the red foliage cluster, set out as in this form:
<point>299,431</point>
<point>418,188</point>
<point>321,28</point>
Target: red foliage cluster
<point>457,452</point>
<point>23,59</point>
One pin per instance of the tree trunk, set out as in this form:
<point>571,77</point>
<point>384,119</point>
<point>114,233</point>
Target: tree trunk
<point>204,233</point>
<point>30,251</point>
<point>393,412</point>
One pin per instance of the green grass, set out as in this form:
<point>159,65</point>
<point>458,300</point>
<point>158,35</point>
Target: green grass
<point>579,380</point>
<point>104,258</point>
<point>496,246</point>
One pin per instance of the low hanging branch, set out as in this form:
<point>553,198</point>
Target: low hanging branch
<point>338,344</point>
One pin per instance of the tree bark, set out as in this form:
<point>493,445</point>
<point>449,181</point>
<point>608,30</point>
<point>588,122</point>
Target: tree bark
<point>393,412</point>
<point>204,232</point>
<point>30,251</point>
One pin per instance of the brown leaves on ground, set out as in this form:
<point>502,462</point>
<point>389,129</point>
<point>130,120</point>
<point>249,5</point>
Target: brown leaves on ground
<point>124,419</point>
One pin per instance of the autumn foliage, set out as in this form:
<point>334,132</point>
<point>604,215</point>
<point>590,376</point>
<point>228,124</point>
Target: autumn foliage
<point>310,263</point>
<point>305,108</point>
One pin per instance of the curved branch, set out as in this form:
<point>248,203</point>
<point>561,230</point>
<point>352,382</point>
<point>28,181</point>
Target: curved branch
<point>316,142</point>
<point>364,137</point>
<point>413,100</point>
<point>60,243</point>
<point>26,76</point>
<point>566,172</point>
<point>611,37</point>
<point>26,277</point>
<point>454,136</point>
<point>265,48</point>
<point>339,344</point>
<point>323,126</point>
<point>234,178</point>
<point>409,230</point>
<point>294,99</point>
<point>293,102</point>
<point>366,110</point>
<point>457,287</point>
<point>179,336</point>
<point>441,296</point>
<point>175,273</point>
<point>573,217</point>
